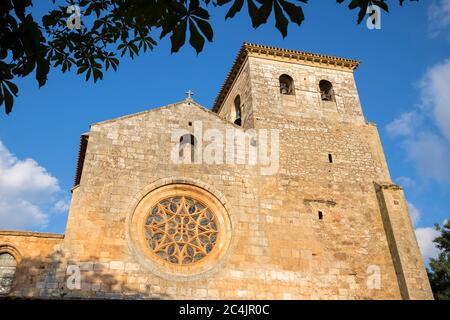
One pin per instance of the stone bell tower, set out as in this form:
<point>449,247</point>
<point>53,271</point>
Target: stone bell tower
<point>333,186</point>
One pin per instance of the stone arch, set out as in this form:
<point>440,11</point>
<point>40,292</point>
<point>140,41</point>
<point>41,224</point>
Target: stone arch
<point>237,114</point>
<point>286,84</point>
<point>10,258</point>
<point>326,90</point>
<point>187,141</point>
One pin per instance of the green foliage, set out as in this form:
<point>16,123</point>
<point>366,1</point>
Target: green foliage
<point>120,27</point>
<point>439,273</point>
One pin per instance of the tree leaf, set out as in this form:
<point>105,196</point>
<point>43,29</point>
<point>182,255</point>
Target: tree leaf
<point>235,8</point>
<point>196,40</point>
<point>263,13</point>
<point>205,27</point>
<point>294,12</point>
<point>43,67</point>
<point>253,12</point>
<point>12,87</point>
<point>178,36</point>
<point>8,99</point>
<point>280,20</point>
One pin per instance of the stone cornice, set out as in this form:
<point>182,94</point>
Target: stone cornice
<point>388,186</point>
<point>16,233</point>
<point>80,159</point>
<point>285,55</point>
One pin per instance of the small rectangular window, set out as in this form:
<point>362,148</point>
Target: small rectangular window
<point>190,124</point>
<point>330,158</point>
<point>320,215</point>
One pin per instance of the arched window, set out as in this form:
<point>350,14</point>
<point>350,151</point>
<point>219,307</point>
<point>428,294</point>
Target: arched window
<point>8,266</point>
<point>286,84</point>
<point>326,90</point>
<point>237,110</point>
<point>187,148</point>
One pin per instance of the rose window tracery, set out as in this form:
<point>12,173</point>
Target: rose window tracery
<point>181,230</point>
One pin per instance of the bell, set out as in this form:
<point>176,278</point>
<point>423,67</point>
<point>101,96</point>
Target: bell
<point>326,96</point>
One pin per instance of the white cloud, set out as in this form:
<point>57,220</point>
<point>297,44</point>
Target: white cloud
<point>425,237</point>
<point>436,94</point>
<point>428,146</point>
<point>61,206</point>
<point>405,125</point>
<point>20,214</point>
<point>26,176</point>
<point>25,189</point>
<point>431,155</point>
<point>439,18</point>
<point>406,182</point>
<point>414,212</point>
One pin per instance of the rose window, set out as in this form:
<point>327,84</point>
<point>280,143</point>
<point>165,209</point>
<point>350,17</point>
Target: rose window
<point>181,230</point>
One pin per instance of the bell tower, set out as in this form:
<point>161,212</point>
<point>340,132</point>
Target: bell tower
<point>333,182</point>
<point>267,83</point>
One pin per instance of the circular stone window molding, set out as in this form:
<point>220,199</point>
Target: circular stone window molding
<point>179,231</point>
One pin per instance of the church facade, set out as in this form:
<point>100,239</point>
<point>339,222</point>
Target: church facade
<point>280,191</point>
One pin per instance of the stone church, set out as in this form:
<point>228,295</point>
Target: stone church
<point>158,211</point>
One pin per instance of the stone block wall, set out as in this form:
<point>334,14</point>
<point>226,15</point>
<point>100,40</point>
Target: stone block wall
<point>319,228</point>
<point>37,257</point>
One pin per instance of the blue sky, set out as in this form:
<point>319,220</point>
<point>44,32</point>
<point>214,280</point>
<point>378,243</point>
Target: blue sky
<point>403,82</point>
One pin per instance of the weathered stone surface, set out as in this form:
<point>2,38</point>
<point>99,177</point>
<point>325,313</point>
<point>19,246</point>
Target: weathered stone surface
<point>280,248</point>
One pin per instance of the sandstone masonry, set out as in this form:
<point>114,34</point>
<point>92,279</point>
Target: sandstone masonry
<point>330,224</point>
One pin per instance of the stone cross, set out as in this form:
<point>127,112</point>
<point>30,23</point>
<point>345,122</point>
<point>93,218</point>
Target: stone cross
<point>189,94</point>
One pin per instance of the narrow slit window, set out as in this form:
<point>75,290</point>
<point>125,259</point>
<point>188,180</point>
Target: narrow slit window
<point>330,158</point>
<point>320,215</point>
<point>237,111</point>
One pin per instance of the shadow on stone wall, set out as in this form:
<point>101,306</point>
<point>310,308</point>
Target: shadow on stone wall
<point>54,277</point>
